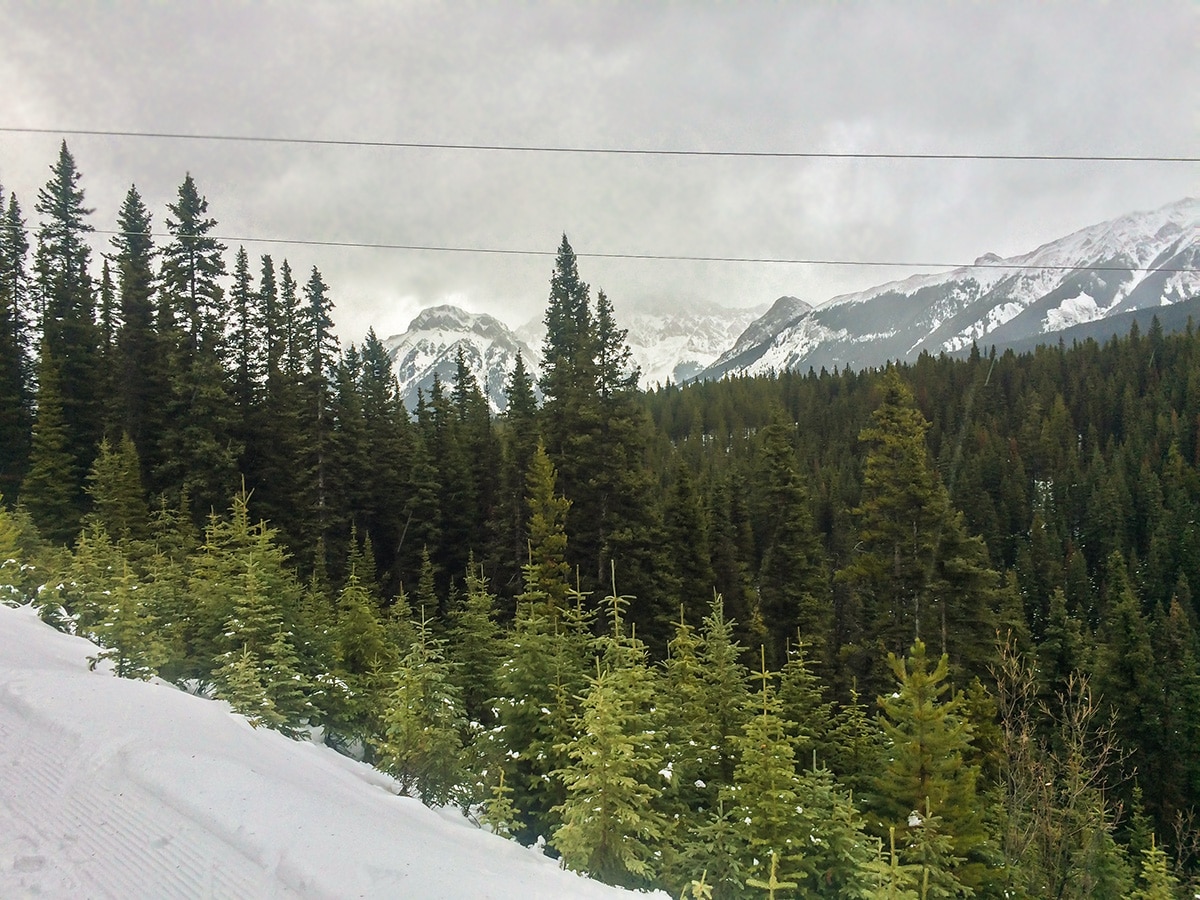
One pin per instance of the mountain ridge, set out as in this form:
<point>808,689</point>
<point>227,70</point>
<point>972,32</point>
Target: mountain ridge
<point>1132,262</point>
<point>1129,263</point>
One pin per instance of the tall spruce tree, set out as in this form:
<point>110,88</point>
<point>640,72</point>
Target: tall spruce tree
<point>316,473</point>
<point>16,336</point>
<point>192,263</point>
<point>198,448</point>
<point>141,379</point>
<point>792,581</point>
<point>916,573</point>
<point>67,303</point>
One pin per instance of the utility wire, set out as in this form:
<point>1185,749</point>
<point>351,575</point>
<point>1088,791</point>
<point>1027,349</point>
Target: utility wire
<point>611,151</point>
<point>663,257</point>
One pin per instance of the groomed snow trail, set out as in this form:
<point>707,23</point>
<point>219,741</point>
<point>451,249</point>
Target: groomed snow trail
<point>111,788</point>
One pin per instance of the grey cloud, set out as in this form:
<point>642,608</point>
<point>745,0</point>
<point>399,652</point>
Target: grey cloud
<point>925,77</point>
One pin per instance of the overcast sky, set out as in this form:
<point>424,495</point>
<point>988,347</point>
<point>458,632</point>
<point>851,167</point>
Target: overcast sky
<point>974,78</point>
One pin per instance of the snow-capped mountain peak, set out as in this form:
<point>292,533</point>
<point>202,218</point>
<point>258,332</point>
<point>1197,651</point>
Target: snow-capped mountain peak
<point>431,344</point>
<point>1132,262</point>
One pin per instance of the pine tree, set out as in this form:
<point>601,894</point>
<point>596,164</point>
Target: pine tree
<point>141,385</point>
<point>730,570</point>
<point>422,744</point>
<point>246,338</point>
<point>547,572</point>
<point>243,592</point>
<point>1125,671</point>
<point>716,849</point>
<point>498,812</point>
<point>115,487</point>
<point>803,704</point>
<point>918,573</point>
<point>836,854</point>
<point>791,580</point>
<point>48,490</point>
<point>474,649</point>
<point>766,788</point>
<point>693,738</point>
<point>108,322</point>
<point>1155,882</point>
<point>286,685</point>
<point>129,633</point>
<point>726,693</point>
<point>364,659</point>
<point>685,531</point>
<point>927,769</point>
<point>317,419</point>
<point>519,440</point>
<point>1175,784</point>
<point>16,336</point>
<point>239,682</point>
<point>67,301</point>
<point>543,675</point>
<point>192,263</point>
<point>854,751</point>
<point>611,825</point>
<point>198,450</point>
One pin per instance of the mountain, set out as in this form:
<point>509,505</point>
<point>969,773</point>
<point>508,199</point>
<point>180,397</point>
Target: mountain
<point>431,345</point>
<point>752,342</point>
<point>1129,263</point>
<point>676,344</point>
<point>671,344</point>
<point>667,344</point>
<point>119,788</point>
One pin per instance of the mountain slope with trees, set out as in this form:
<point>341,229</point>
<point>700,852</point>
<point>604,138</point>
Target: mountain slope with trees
<point>951,559</point>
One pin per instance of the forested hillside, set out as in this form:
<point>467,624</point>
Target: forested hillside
<point>927,631</point>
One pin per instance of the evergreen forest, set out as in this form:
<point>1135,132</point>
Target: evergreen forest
<point>922,631</point>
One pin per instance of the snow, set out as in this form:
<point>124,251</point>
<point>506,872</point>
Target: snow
<point>119,788</point>
<point>1073,311</point>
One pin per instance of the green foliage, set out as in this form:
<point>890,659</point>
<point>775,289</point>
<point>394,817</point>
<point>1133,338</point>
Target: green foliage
<point>766,787</point>
<point>421,744</point>
<point>918,573</point>
<point>1155,881</point>
<point>927,776</point>
<point>611,825</point>
<point>16,342</point>
<point>130,631</point>
<point>239,682</point>
<point>115,487</point>
<point>49,489</point>
<point>546,577</point>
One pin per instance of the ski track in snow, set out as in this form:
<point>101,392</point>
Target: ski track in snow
<point>111,788</point>
<point>82,813</point>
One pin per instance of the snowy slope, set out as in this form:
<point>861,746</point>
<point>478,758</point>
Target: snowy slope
<point>1082,277</point>
<point>757,335</point>
<point>431,344</point>
<point>125,789</point>
<point>675,344</point>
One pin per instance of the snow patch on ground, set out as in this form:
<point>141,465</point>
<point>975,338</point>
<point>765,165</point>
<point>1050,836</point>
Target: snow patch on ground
<point>129,789</point>
<point>1072,311</point>
<point>995,317</point>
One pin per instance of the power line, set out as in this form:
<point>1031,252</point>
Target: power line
<point>663,257</point>
<point>610,151</point>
